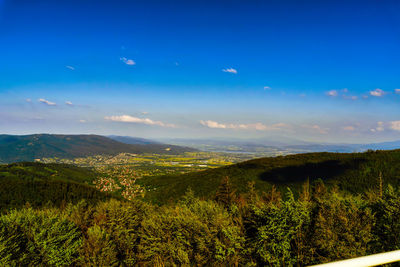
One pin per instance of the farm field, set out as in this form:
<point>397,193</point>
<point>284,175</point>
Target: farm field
<point>119,174</point>
<point>156,164</point>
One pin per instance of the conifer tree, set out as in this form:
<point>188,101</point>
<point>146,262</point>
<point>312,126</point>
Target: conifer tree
<point>225,193</point>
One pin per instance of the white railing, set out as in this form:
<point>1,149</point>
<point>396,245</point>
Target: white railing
<point>372,260</point>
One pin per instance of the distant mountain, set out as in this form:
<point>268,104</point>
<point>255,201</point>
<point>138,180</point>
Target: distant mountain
<point>382,145</point>
<point>15,148</point>
<point>132,140</point>
<point>266,146</point>
<point>351,172</point>
<point>275,145</point>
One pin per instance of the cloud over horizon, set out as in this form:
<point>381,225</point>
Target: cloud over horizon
<point>377,92</point>
<point>332,93</point>
<point>131,119</point>
<point>49,103</point>
<point>250,126</point>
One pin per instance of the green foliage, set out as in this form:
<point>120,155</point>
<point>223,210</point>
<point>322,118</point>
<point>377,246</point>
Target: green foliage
<point>341,228</point>
<point>273,229</point>
<point>351,172</point>
<point>201,233</point>
<point>387,227</point>
<point>320,220</point>
<point>14,148</point>
<point>225,194</point>
<point>35,238</point>
<point>98,248</point>
<point>42,184</point>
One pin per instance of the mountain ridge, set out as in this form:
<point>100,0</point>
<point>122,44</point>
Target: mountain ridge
<point>17,148</point>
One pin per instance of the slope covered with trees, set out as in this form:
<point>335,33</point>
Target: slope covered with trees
<point>14,148</point>
<point>46,184</point>
<point>321,225</point>
<point>351,172</point>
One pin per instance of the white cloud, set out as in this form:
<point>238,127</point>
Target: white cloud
<point>69,103</point>
<point>230,70</point>
<point>70,67</point>
<point>251,126</point>
<point>397,91</point>
<point>127,61</point>
<point>395,125</point>
<point>332,93</point>
<point>28,100</point>
<point>377,92</point>
<point>131,119</point>
<point>47,102</point>
<point>82,121</point>
<point>267,88</point>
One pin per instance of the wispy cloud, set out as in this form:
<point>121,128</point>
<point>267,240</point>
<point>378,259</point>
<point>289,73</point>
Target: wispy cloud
<point>379,128</point>
<point>82,121</point>
<point>351,97</point>
<point>332,93</point>
<point>397,91</point>
<point>377,92</point>
<point>230,70</point>
<point>28,100</point>
<point>70,67</point>
<point>342,93</point>
<point>131,119</point>
<point>267,88</point>
<point>250,126</point>
<point>127,61</point>
<point>49,103</point>
<point>69,103</point>
<point>349,128</point>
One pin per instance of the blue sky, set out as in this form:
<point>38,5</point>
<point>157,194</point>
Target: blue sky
<point>313,70</point>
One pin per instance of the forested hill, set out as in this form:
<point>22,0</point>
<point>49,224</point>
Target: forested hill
<point>352,172</point>
<point>46,184</point>
<point>14,148</point>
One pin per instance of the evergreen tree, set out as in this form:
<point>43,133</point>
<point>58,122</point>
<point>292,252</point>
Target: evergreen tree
<point>225,194</point>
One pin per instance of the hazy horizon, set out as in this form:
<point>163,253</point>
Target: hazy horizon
<point>319,71</point>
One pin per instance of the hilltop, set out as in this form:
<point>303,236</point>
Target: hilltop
<point>16,148</point>
<point>351,172</point>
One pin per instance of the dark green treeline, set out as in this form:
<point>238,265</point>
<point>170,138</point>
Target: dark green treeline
<point>251,229</point>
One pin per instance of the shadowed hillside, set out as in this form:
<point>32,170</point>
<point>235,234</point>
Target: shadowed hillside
<point>15,148</point>
<point>46,184</point>
<point>352,172</point>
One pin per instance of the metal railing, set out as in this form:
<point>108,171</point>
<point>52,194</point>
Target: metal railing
<point>371,260</point>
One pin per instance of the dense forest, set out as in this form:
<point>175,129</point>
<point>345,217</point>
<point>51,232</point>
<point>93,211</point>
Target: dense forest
<point>51,215</point>
<point>18,148</point>
<point>249,229</point>
<point>46,184</point>
<point>350,172</point>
